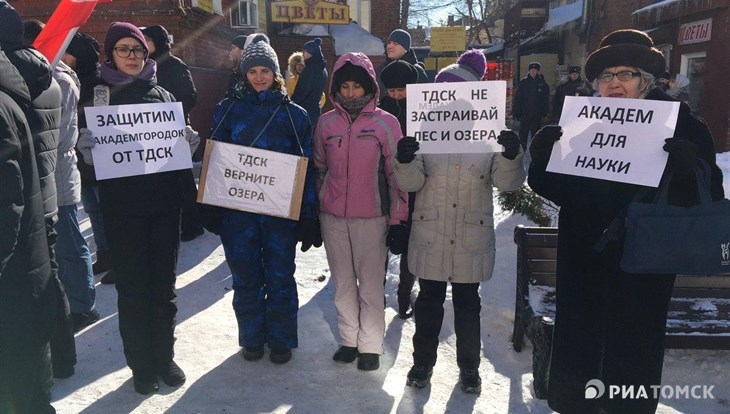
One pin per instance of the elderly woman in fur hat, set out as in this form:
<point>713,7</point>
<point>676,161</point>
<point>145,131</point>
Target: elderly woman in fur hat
<point>610,324</point>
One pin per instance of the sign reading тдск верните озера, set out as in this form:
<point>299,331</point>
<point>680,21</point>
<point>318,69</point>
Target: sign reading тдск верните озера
<point>452,118</point>
<point>614,139</point>
<point>138,139</point>
<point>252,179</point>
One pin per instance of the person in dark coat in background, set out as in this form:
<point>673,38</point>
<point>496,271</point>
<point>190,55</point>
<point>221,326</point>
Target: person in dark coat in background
<point>173,75</point>
<point>142,220</point>
<point>398,47</point>
<point>27,295</point>
<point>312,81</point>
<point>574,86</point>
<point>75,283</point>
<point>395,77</point>
<point>234,57</point>
<point>260,249</point>
<point>82,55</point>
<point>609,324</point>
<point>531,102</point>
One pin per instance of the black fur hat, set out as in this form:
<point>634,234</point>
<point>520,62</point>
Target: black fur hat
<point>625,47</point>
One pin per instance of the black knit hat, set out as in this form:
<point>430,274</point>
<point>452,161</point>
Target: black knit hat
<point>86,51</point>
<point>160,37</point>
<point>350,72</point>
<point>239,41</point>
<point>626,47</point>
<point>398,74</point>
<point>11,27</point>
<point>314,47</point>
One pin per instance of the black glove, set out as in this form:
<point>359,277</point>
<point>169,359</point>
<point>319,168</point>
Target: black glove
<point>544,140</point>
<point>211,217</point>
<point>511,143</point>
<point>682,153</point>
<point>309,234</point>
<point>407,148</point>
<point>397,238</point>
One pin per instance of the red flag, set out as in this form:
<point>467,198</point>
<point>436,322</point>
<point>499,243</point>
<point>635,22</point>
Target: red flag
<point>62,26</point>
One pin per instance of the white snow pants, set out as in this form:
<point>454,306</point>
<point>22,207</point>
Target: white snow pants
<point>356,253</point>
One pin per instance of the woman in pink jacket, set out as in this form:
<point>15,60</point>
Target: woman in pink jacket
<point>360,205</point>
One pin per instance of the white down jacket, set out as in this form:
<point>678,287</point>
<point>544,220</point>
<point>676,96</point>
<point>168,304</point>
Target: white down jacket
<point>452,235</point>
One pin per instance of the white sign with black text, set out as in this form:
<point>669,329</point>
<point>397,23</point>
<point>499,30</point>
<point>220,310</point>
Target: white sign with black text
<point>614,139</point>
<point>453,118</point>
<point>251,179</point>
<point>138,139</point>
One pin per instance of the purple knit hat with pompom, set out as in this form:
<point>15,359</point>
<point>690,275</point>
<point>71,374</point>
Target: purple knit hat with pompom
<point>469,67</point>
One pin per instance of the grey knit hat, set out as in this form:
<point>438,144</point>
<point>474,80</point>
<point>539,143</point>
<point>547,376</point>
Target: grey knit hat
<point>260,54</point>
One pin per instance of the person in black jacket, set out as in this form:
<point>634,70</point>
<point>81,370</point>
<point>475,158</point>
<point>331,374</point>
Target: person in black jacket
<point>312,81</point>
<point>531,102</point>
<point>398,47</point>
<point>82,55</point>
<point>574,86</point>
<point>27,298</point>
<point>395,77</point>
<point>174,76</point>
<point>142,220</point>
<point>609,324</point>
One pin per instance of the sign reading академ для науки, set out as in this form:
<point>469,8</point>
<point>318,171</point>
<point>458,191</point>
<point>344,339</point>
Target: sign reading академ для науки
<point>251,179</point>
<point>452,118</point>
<point>138,139</point>
<point>614,139</point>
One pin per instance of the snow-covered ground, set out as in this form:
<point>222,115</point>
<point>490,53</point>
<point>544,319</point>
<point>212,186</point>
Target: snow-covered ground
<point>219,380</point>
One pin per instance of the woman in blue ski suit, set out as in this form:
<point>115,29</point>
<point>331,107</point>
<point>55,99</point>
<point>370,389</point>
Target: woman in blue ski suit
<point>260,249</point>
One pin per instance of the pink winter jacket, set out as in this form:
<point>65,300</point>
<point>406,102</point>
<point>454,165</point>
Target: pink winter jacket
<point>354,159</point>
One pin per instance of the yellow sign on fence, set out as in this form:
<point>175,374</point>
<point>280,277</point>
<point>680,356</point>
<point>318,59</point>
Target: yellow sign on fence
<point>448,39</point>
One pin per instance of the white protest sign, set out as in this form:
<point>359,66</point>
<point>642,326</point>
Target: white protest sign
<point>251,179</point>
<point>614,139</point>
<point>138,139</point>
<point>461,117</point>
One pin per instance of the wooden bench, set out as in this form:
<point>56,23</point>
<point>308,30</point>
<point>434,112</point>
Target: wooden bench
<point>698,317</point>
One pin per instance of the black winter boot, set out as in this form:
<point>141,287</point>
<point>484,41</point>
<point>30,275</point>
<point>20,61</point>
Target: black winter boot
<point>471,383</point>
<point>253,353</point>
<point>419,376</point>
<point>145,382</point>
<point>345,354</point>
<point>368,362</point>
<point>171,374</point>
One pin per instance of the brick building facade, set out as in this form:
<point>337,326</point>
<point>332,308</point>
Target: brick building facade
<point>203,40</point>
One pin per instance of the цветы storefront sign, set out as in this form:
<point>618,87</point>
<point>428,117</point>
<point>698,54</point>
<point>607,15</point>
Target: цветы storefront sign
<point>310,11</point>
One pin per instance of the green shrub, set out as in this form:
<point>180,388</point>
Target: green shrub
<point>526,202</point>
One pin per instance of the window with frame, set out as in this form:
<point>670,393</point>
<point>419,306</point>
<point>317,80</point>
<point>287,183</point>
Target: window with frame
<point>244,13</point>
<point>360,12</point>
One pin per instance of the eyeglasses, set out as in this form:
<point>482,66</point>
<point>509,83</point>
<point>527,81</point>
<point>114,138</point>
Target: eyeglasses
<point>623,76</point>
<point>125,52</point>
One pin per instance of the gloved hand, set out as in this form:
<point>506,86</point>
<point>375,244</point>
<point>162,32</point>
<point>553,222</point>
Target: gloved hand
<point>682,153</point>
<point>309,233</point>
<point>407,148</point>
<point>397,238</point>
<point>544,140</point>
<point>211,217</point>
<point>192,137</point>
<point>511,143</point>
<point>85,143</point>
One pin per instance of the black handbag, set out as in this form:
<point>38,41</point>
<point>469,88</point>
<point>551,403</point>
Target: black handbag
<point>662,238</point>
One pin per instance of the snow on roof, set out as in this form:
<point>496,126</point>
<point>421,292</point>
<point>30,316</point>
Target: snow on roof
<point>560,16</point>
<point>353,38</point>
<point>497,47</point>
<point>650,7</point>
<point>310,30</point>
